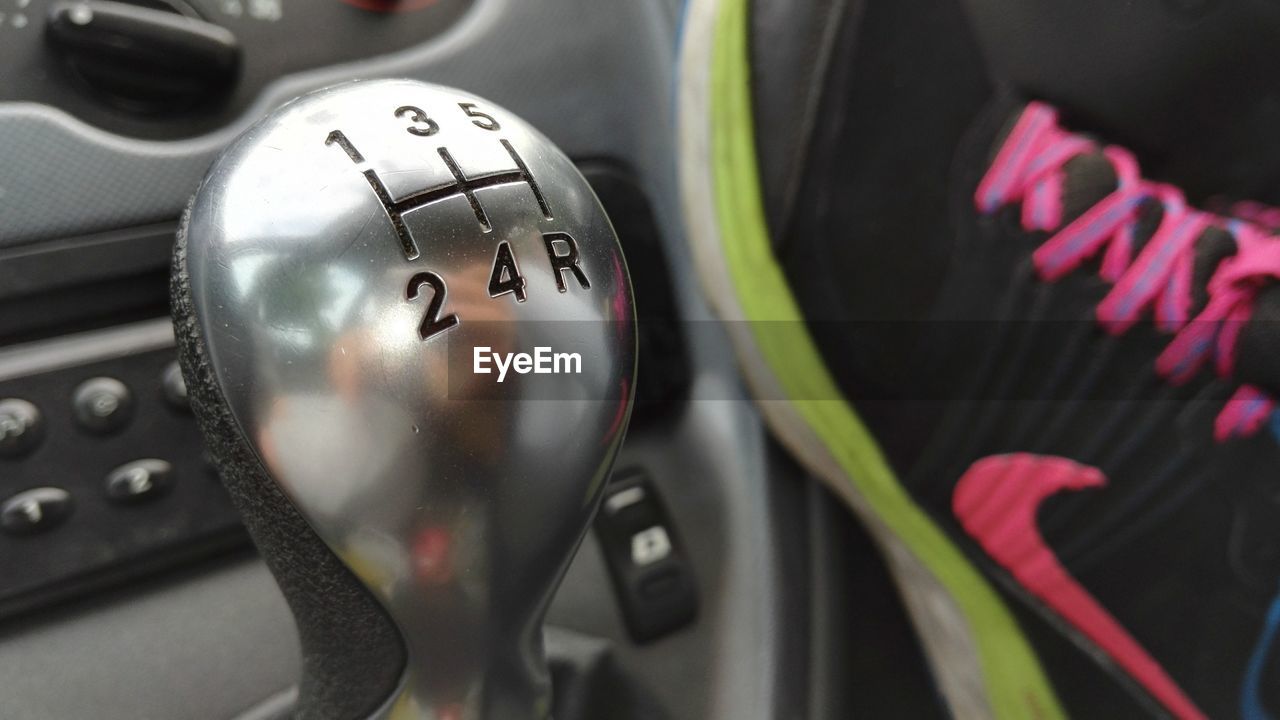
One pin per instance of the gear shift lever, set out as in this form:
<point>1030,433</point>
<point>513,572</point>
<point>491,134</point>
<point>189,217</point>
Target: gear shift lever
<point>407,331</point>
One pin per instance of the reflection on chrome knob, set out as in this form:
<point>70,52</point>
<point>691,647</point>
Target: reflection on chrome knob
<point>406,328</point>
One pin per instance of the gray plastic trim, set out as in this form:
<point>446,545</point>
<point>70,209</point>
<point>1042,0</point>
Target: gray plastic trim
<point>207,645</point>
<point>64,352</point>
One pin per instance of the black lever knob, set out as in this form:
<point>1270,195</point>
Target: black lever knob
<point>142,58</point>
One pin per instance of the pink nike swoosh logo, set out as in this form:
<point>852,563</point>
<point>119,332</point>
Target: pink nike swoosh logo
<point>996,501</point>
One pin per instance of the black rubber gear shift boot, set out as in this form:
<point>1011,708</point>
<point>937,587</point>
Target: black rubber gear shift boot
<point>589,684</point>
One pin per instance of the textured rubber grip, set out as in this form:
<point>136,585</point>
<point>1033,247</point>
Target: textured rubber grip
<point>352,653</point>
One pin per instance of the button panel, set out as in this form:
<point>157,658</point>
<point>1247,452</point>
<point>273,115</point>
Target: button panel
<point>652,578</point>
<point>121,485</point>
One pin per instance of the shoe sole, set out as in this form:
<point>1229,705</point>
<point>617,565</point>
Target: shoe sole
<point>982,663</point>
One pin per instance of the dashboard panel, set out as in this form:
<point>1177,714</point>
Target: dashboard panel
<point>179,68</point>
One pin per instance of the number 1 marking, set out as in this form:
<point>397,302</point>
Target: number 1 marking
<point>337,138</point>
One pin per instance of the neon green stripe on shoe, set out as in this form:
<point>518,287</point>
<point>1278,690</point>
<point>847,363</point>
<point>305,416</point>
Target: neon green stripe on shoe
<point>1015,683</point>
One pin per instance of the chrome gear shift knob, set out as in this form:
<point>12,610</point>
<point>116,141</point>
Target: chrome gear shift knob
<point>407,330</point>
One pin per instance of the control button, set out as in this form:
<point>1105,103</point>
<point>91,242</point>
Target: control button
<point>21,427</point>
<point>34,510</point>
<point>659,584</point>
<point>650,574</point>
<point>102,404</point>
<point>139,481</point>
<point>175,388</point>
<point>623,498</point>
<point>650,546</point>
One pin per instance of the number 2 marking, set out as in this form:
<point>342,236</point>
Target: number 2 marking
<point>432,323</point>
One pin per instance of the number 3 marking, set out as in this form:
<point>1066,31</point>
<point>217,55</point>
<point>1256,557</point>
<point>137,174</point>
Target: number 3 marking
<point>432,323</point>
<point>418,117</point>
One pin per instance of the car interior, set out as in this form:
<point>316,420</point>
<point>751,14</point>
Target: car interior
<point>161,608</point>
<point>246,472</point>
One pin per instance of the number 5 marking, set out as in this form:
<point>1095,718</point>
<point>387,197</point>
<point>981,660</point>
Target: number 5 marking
<point>432,323</point>
<point>482,120</point>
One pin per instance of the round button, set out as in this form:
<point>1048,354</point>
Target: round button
<point>21,427</point>
<point>175,388</point>
<point>34,510</point>
<point>102,404</point>
<point>139,480</point>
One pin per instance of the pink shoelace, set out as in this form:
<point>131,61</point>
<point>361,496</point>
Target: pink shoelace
<point>1029,168</point>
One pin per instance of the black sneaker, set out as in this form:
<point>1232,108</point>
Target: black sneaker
<point>1045,382</point>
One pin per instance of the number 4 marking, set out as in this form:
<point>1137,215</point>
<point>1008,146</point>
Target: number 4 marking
<point>432,323</point>
<point>504,263</point>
